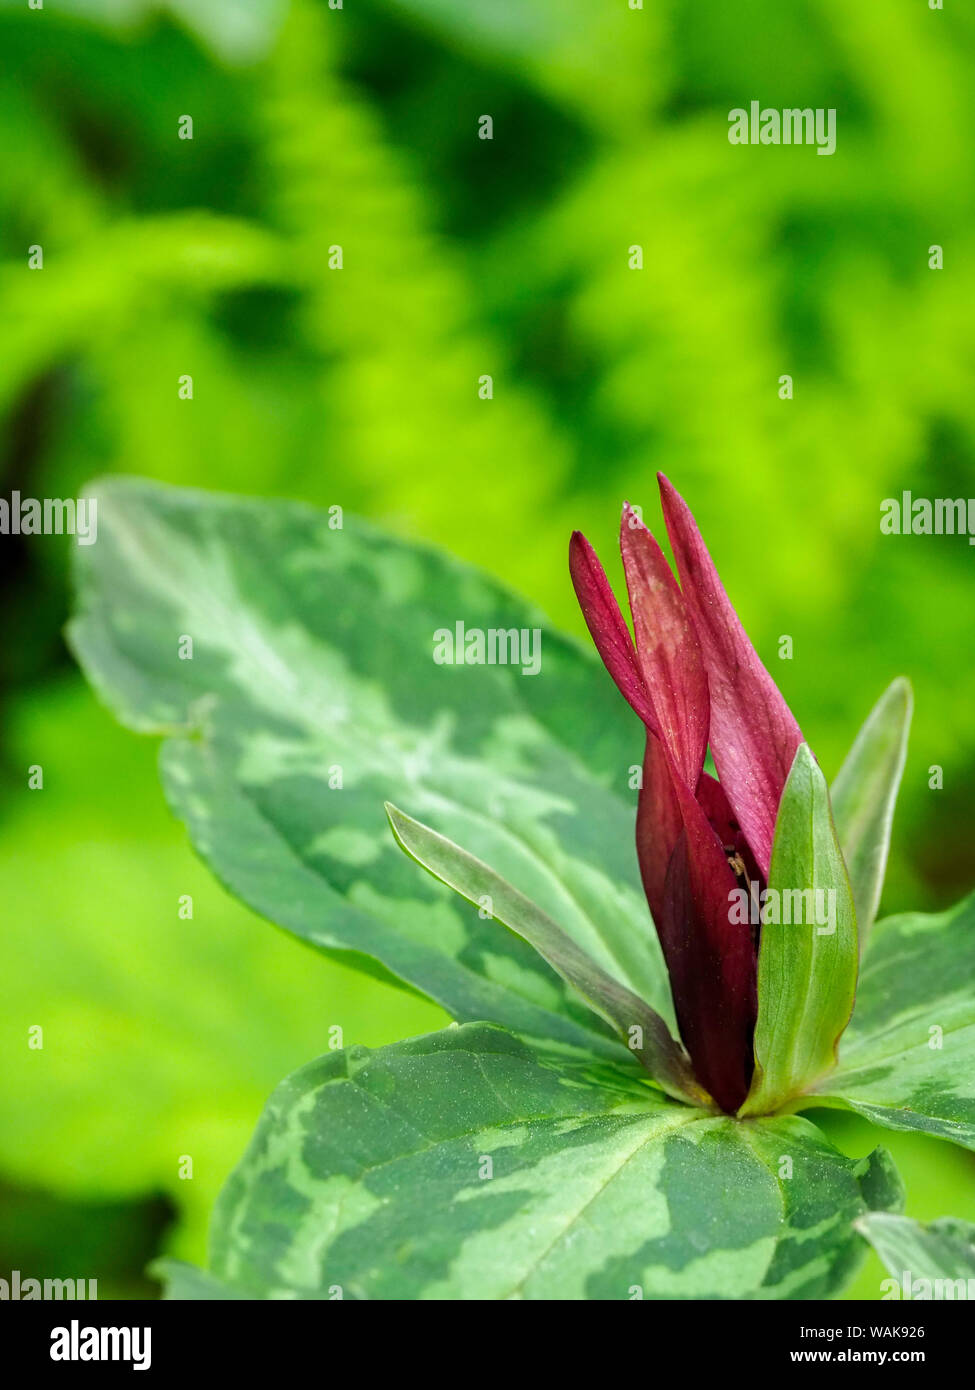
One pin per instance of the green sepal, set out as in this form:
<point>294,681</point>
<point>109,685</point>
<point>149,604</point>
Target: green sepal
<point>807,970</point>
<point>864,794</point>
<point>640,1028</point>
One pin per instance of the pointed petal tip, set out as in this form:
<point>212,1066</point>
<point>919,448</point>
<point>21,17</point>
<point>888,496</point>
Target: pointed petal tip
<point>607,626</point>
<point>631,521</point>
<point>670,498</point>
<point>673,506</point>
<point>579,549</point>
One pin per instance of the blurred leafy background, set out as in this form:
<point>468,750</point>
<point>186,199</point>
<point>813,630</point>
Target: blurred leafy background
<point>314,127</point>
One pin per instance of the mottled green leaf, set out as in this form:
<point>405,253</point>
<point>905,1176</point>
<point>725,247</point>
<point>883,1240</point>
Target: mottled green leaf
<point>940,1253</point>
<point>864,794</point>
<point>807,968</point>
<point>465,1164</point>
<point>907,1060</point>
<point>643,1030</point>
<point>312,696</point>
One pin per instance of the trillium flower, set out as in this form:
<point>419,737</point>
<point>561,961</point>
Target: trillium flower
<point>695,680</point>
<point>560,1076</point>
<point>761,992</point>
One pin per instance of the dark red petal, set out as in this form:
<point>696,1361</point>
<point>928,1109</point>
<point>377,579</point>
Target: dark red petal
<point>686,875</point>
<point>607,625</point>
<point>667,648</point>
<point>658,825</point>
<point>714,804</point>
<point>710,958</point>
<point>713,988</point>
<point>753,734</point>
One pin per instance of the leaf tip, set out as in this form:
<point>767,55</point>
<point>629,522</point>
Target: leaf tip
<point>803,762</point>
<point>900,689</point>
<point>398,820</point>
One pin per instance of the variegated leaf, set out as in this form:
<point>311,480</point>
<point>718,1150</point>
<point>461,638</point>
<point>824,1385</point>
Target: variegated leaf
<point>466,1165</point>
<point>907,1060</point>
<point>312,696</point>
<point>920,1257</point>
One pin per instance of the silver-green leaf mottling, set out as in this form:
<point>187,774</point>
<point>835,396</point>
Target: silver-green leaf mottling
<point>466,1165</point>
<point>472,1163</point>
<point>907,1060</point>
<point>941,1250</point>
<point>312,697</point>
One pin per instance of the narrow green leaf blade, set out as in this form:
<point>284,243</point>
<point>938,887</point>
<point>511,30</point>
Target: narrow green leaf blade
<point>907,1060</point>
<point>864,794</point>
<point>940,1253</point>
<point>663,1058</point>
<point>467,1165</point>
<point>807,969</point>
